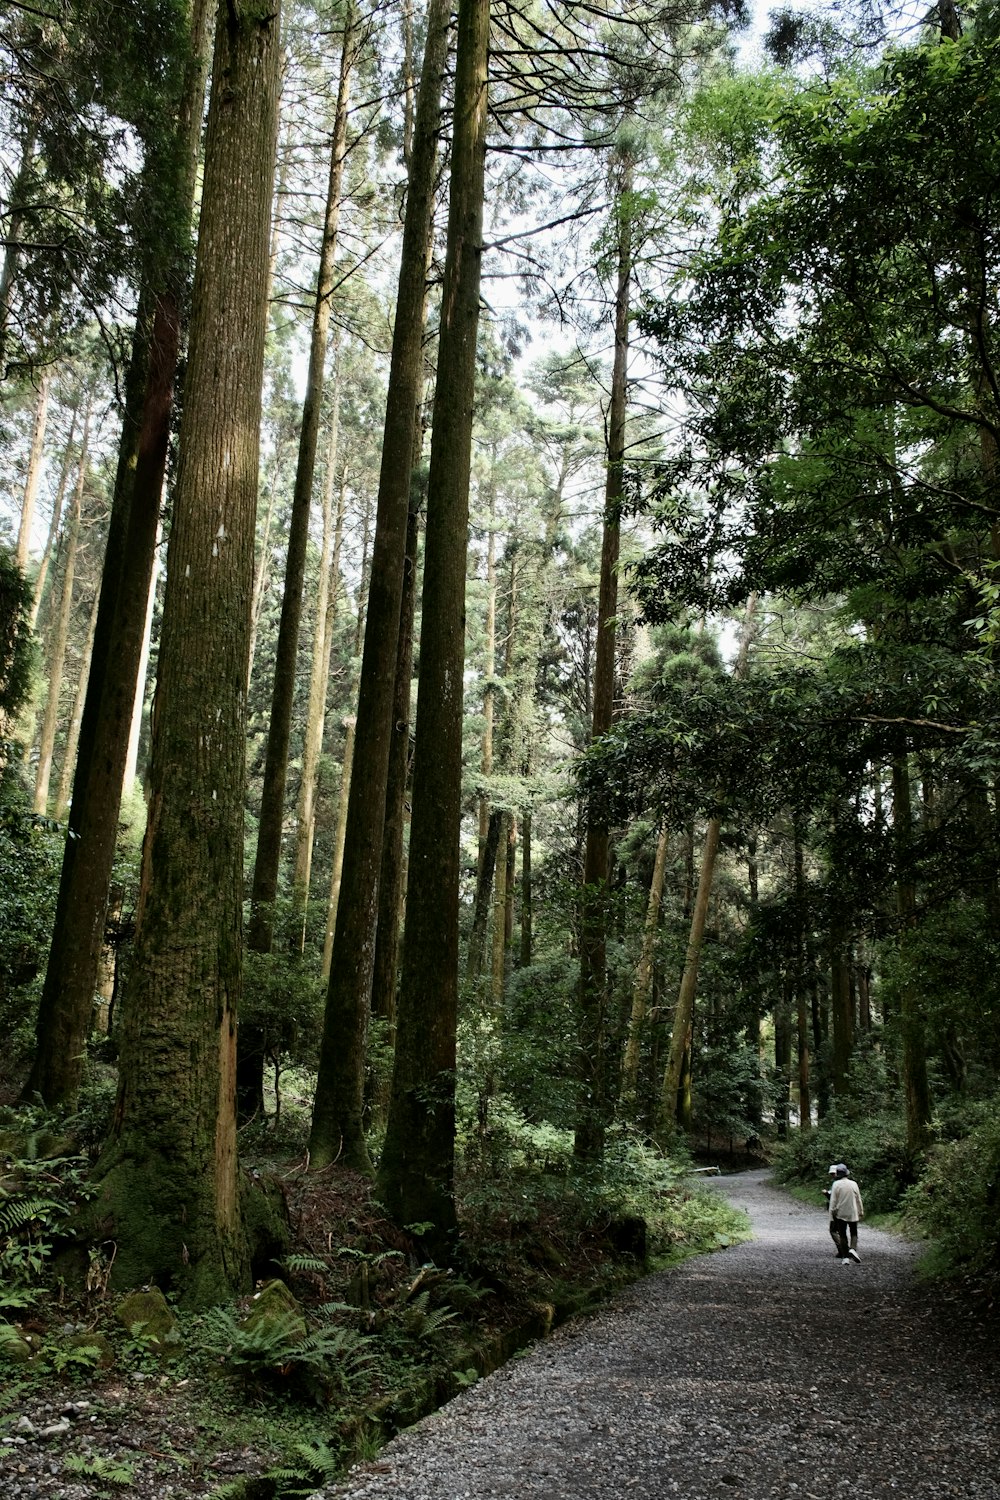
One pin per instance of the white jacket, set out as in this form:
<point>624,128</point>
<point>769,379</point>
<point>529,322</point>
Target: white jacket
<point>845,1201</point>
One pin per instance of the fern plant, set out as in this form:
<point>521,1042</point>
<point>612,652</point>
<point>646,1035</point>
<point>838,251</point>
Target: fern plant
<point>106,1471</point>
<point>277,1351</point>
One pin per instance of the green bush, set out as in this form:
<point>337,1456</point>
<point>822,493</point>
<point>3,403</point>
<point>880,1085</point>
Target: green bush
<point>875,1149</point>
<point>957,1199</point>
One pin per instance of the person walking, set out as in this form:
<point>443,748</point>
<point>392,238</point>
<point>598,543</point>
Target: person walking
<point>846,1208</point>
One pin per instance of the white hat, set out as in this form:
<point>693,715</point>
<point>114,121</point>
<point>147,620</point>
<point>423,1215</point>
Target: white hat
<point>838,1166</point>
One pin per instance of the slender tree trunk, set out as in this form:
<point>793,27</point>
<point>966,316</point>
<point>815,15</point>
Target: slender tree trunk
<point>135,728</point>
<point>15,212</point>
<point>390,887</point>
<point>337,1124</point>
<point>78,930</point>
<point>264,889</point>
<point>416,1172</point>
<point>915,1083</point>
<point>326,604</point>
<point>526,890</point>
<point>61,805</point>
<point>840,994</point>
<point>33,475</point>
<point>643,986</point>
<point>392,879</point>
<point>483,898</point>
<point>169,1179</point>
<point>588,1142</point>
<point>680,1040</point>
<point>56,518</point>
<point>337,872</point>
<point>60,635</point>
<point>489,672</point>
<point>802,1014</point>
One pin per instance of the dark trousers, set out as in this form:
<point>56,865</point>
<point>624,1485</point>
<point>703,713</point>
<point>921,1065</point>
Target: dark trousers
<point>839,1230</point>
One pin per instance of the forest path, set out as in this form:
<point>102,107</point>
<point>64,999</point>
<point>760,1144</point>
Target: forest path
<point>768,1371</point>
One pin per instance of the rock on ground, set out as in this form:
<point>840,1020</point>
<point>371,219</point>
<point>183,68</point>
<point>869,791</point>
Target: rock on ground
<point>768,1371</point>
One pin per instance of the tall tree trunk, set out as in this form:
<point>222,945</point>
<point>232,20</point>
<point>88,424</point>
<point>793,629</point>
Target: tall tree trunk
<point>483,897</point>
<point>592,1105</point>
<point>680,1039</point>
<point>60,634</point>
<point>527,937</point>
<point>170,1183</point>
<point>840,996</point>
<point>802,1013</point>
<point>56,518</point>
<point>390,890</point>
<point>337,1124</point>
<point>392,878</point>
<point>16,204</point>
<point>340,841</point>
<point>915,1083</point>
<point>61,805</point>
<point>78,930</point>
<point>643,986</point>
<point>135,728</point>
<point>416,1172</point>
<point>33,475</point>
<point>326,605</point>
<point>264,889</point>
<point>489,672</point>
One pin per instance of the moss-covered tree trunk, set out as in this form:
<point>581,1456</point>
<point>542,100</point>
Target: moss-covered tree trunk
<point>71,974</point>
<point>169,1180</point>
<point>416,1173</point>
<point>337,1123</point>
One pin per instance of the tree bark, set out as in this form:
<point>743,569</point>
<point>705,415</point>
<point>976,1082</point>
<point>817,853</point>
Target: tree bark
<point>643,986</point>
<point>680,1039</point>
<point>264,888</point>
<point>60,634</point>
<point>170,1188</point>
<point>56,518</point>
<point>326,605</point>
<point>416,1172</point>
<point>60,807</point>
<point>33,475</point>
<point>915,1083</point>
<point>592,1105</point>
<point>390,886</point>
<point>337,1123</point>
<point>337,870</point>
<point>78,930</point>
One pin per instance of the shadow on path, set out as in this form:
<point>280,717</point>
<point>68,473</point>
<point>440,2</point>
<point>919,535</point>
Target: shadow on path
<point>767,1370</point>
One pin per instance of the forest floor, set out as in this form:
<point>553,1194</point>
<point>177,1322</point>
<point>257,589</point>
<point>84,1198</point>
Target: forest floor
<point>219,1412</point>
<point>769,1370</point>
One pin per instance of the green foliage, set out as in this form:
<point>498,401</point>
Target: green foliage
<point>278,1352</point>
<point>30,858</point>
<point>957,1200</point>
<point>873,1146</point>
<point>35,1201</point>
<point>103,1471</point>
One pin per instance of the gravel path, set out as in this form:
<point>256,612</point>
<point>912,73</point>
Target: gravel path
<point>768,1371</point>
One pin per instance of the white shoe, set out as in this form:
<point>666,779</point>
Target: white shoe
<point>854,1256</point>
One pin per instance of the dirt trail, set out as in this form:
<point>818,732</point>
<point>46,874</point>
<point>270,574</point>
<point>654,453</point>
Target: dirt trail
<point>768,1371</point>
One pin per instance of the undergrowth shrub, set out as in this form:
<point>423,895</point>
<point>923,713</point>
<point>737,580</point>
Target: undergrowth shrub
<point>957,1199</point>
<point>874,1149</point>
